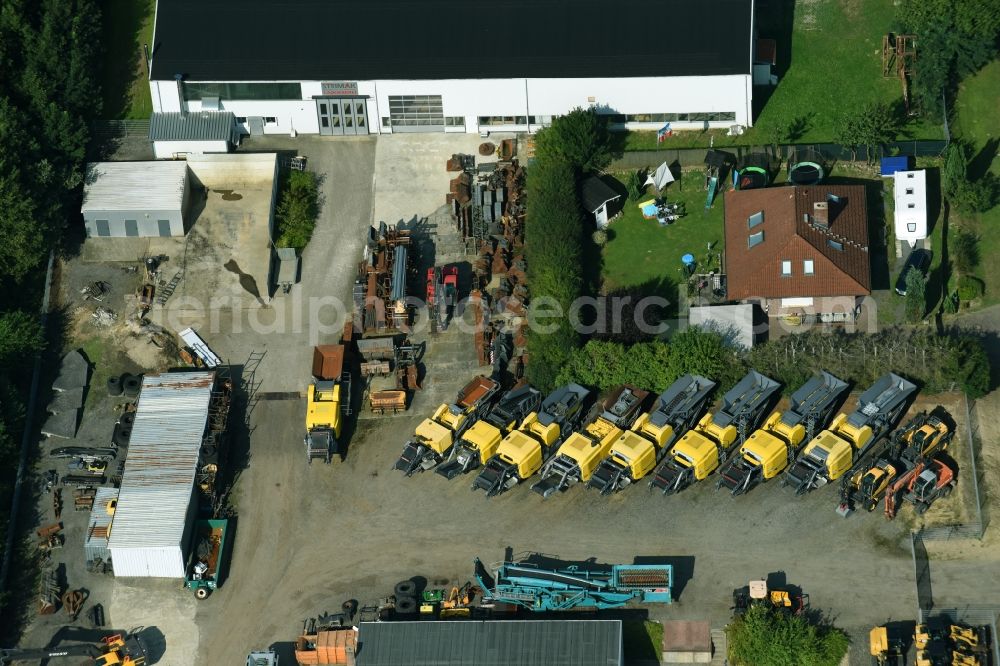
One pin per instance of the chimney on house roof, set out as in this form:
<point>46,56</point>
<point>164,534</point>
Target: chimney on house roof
<point>821,214</point>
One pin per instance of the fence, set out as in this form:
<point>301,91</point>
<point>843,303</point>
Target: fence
<point>832,152</point>
<point>119,129</point>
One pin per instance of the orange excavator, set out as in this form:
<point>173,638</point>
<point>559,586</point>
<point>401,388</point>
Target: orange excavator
<point>921,486</point>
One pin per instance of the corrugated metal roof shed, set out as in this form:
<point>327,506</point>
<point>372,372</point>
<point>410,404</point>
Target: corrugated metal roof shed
<point>95,541</point>
<point>162,460</point>
<point>136,186</point>
<point>202,126</point>
<point>491,643</point>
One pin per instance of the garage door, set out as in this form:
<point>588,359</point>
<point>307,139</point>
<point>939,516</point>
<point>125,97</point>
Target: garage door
<point>342,115</point>
<point>416,113</point>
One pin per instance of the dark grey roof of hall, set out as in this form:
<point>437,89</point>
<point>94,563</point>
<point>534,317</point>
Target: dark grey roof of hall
<point>320,40</point>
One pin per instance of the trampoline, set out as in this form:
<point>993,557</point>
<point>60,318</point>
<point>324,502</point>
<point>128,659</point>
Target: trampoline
<point>750,178</point>
<point>805,173</point>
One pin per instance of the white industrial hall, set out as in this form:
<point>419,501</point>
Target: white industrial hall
<point>381,66</point>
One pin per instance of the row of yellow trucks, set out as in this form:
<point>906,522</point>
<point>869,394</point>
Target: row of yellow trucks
<point>508,437</point>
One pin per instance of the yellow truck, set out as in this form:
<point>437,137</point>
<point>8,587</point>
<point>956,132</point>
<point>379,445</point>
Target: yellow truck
<point>850,439</point>
<point>433,439</point>
<point>636,452</point>
<point>706,446</point>
<point>769,450</point>
<point>525,450</point>
<point>583,451</point>
<point>480,442</point>
<point>328,401</point>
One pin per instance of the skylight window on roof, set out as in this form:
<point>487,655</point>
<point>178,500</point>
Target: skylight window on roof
<point>755,239</point>
<point>836,245</point>
<point>755,219</point>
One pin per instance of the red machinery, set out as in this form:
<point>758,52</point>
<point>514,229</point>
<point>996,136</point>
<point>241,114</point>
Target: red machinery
<point>920,486</point>
<point>442,293</point>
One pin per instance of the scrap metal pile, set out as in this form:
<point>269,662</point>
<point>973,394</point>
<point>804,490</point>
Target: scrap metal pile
<point>488,202</point>
<point>380,289</point>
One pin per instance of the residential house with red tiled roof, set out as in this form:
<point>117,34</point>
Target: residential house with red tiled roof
<point>799,250</point>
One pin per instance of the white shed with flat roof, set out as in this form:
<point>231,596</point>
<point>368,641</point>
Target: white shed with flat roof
<point>911,205</point>
<point>135,199</point>
<point>156,502</point>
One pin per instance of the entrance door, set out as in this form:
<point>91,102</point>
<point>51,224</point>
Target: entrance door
<point>341,115</point>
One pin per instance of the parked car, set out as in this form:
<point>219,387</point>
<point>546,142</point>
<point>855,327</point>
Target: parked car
<point>919,260</point>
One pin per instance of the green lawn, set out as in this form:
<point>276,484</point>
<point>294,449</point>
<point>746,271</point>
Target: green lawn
<point>127,24</point>
<point>977,121</point>
<point>641,253</point>
<point>835,66</point>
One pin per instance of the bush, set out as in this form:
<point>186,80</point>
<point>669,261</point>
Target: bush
<point>970,288</point>
<point>916,295</point>
<point>965,251</point>
<point>761,636</point>
<point>298,207</point>
<point>635,186</point>
<point>977,196</point>
<point>600,237</point>
<point>554,248</point>
<point>653,365</point>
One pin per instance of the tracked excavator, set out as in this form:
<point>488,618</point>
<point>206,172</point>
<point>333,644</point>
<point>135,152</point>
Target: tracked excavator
<point>769,450</point>
<point>480,442</point>
<point>582,451</point>
<point>923,436</point>
<point>636,452</point>
<point>707,446</point>
<point>116,650</point>
<point>434,437</point>
<point>525,450</point>
<point>928,481</point>
<point>850,439</point>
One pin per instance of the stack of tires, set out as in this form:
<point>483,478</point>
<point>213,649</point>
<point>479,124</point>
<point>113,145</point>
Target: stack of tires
<point>406,598</point>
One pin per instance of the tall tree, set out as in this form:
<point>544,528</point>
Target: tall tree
<point>579,138</point>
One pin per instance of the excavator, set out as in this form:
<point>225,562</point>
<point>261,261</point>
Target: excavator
<point>706,446</point>
<point>580,454</point>
<point>636,452</point>
<point>525,450</point>
<point>116,650</point>
<point>850,439</point>
<point>930,480</point>
<point>924,435</point>
<point>433,439</point>
<point>480,442</point>
<point>771,449</point>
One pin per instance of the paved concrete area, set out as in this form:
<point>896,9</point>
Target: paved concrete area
<point>315,309</point>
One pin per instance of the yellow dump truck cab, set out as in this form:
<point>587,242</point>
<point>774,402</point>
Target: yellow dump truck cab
<point>324,406</point>
<point>769,446</point>
<point>587,451</point>
<point>434,433</point>
<point>523,448</point>
<point>699,448</point>
<point>635,454</point>
<point>637,449</point>
<point>483,438</point>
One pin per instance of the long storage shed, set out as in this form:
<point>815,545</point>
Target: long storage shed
<point>152,524</point>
